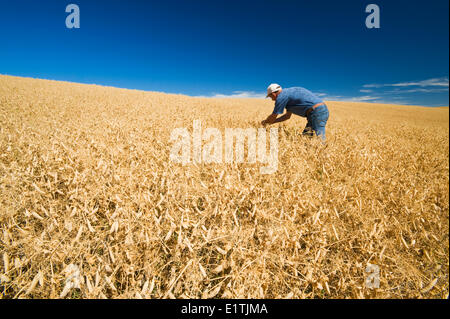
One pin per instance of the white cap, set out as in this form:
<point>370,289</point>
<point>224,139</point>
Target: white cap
<point>273,88</point>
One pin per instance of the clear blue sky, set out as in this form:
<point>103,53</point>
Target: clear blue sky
<point>208,47</point>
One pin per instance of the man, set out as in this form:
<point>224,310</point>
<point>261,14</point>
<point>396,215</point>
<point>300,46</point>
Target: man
<point>301,102</point>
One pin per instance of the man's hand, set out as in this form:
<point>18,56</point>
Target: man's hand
<point>270,119</point>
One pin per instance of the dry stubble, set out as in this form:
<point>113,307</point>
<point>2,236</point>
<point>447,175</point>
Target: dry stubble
<point>91,207</point>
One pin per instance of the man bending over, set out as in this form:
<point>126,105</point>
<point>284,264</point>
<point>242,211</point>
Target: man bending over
<point>301,102</point>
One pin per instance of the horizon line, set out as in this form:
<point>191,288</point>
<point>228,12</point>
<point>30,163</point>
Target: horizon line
<point>216,96</point>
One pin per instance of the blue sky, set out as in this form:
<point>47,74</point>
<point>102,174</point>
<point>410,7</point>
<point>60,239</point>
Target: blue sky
<point>235,48</point>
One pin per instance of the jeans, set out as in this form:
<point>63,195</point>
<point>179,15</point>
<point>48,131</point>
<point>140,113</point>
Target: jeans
<point>317,120</point>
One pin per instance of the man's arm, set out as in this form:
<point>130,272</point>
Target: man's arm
<point>272,118</point>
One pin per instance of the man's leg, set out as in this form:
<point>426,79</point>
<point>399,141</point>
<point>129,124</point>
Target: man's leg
<point>308,131</point>
<point>319,118</point>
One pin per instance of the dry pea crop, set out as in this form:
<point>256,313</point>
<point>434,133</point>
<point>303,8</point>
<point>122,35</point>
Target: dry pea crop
<point>92,207</point>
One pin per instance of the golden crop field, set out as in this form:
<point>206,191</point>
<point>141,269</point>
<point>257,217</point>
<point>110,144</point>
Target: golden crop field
<point>92,207</point>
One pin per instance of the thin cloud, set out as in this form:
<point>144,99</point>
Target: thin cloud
<point>420,90</point>
<point>239,95</point>
<point>398,92</point>
<point>364,98</point>
<point>255,95</point>
<point>341,98</point>
<point>440,82</point>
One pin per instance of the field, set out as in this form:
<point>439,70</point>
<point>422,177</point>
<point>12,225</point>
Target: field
<point>92,207</point>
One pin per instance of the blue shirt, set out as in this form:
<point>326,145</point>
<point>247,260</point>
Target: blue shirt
<point>296,100</point>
